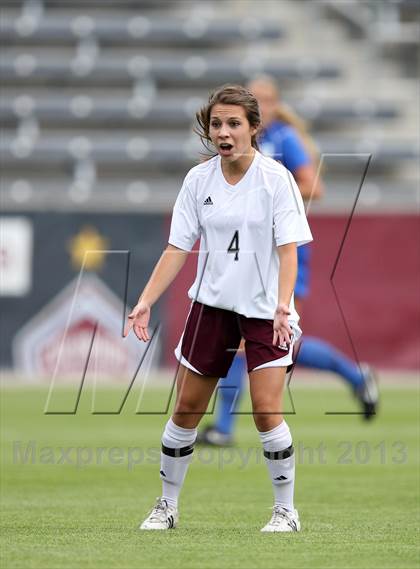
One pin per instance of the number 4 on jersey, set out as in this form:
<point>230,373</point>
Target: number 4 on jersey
<point>234,245</point>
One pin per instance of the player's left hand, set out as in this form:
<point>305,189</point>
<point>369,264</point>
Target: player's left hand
<point>282,332</point>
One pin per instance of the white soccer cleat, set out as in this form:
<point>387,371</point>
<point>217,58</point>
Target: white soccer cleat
<point>283,520</point>
<point>162,517</point>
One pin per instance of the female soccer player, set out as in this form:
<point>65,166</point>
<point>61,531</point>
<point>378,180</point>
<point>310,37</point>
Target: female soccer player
<point>284,137</point>
<point>249,215</point>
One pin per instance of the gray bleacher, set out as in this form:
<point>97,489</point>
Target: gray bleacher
<point>392,26</point>
<point>98,98</point>
<point>66,28</point>
<point>23,69</point>
<point>171,110</point>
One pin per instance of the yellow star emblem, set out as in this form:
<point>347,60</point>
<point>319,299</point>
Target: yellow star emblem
<point>88,249</point>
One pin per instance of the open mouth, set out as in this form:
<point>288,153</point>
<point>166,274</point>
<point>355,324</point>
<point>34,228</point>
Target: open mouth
<point>225,147</point>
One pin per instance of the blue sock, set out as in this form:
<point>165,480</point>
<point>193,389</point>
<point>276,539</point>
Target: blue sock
<point>229,394</point>
<point>317,354</point>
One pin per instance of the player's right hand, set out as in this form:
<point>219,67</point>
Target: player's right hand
<point>138,320</point>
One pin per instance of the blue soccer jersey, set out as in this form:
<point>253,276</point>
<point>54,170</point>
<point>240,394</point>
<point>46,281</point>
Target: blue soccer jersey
<point>281,142</point>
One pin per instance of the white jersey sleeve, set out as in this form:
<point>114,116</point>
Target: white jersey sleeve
<point>185,226</point>
<point>290,223</point>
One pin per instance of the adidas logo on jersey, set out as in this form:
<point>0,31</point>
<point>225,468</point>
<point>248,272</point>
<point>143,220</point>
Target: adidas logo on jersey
<point>208,201</point>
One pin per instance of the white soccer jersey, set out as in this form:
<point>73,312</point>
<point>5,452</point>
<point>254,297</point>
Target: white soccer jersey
<point>240,226</point>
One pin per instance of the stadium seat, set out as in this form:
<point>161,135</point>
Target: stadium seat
<point>91,91</point>
<point>175,70</point>
<point>128,30</point>
<point>173,110</point>
<point>165,149</point>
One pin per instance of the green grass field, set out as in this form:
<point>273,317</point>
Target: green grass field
<point>357,494</point>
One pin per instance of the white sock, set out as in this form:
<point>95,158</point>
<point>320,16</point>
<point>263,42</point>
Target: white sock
<point>280,460</point>
<point>175,457</point>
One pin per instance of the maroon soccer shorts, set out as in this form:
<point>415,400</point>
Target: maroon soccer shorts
<point>212,336</point>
